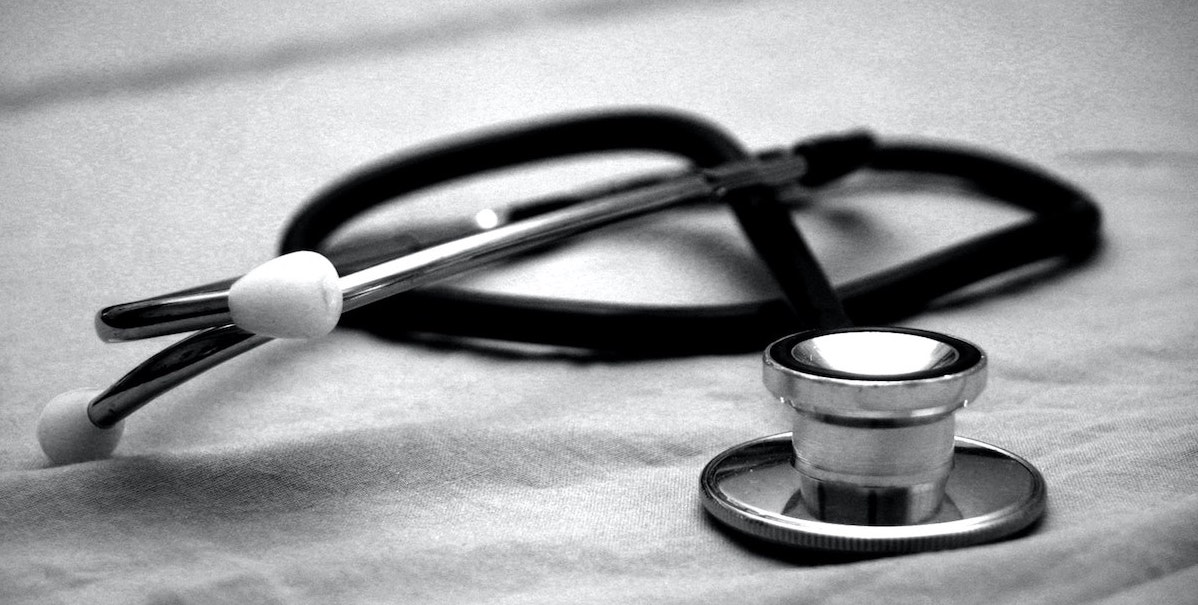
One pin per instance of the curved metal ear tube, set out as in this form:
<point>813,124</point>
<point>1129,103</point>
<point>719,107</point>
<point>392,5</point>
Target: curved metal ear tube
<point>209,306</point>
<point>872,464</point>
<point>297,296</point>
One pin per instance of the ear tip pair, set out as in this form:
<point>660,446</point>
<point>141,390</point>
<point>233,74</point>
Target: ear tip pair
<point>67,435</point>
<point>296,295</point>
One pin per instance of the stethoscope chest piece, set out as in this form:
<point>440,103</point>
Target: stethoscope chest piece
<point>873,465</point>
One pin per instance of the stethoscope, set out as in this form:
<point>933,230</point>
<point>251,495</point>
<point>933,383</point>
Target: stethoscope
<point>872,465</point>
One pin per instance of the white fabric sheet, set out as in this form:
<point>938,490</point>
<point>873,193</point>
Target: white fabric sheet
<point>150,147</point>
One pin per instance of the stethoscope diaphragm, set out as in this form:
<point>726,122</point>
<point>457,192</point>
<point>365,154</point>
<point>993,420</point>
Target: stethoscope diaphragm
<point>990,494</point>
<point>873,464</point>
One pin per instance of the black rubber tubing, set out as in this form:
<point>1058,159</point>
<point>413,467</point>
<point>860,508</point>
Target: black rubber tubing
<point>1064,223</point>
<point>810,302</point>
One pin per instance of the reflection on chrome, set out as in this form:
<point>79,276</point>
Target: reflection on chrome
<point>875,353</point>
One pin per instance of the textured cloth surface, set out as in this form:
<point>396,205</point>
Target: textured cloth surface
<point>150,147</point>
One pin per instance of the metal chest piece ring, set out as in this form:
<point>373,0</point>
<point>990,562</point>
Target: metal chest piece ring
<point>873,465</point>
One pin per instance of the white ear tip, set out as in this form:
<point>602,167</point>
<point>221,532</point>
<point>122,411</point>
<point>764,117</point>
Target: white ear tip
<point>66,433</point>
<point>293,296</point>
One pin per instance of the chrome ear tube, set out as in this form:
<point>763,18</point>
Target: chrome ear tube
<point>873,465</point>
<point>300,295</point>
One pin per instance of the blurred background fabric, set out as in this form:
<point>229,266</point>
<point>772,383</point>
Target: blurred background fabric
<point>152,146</point>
